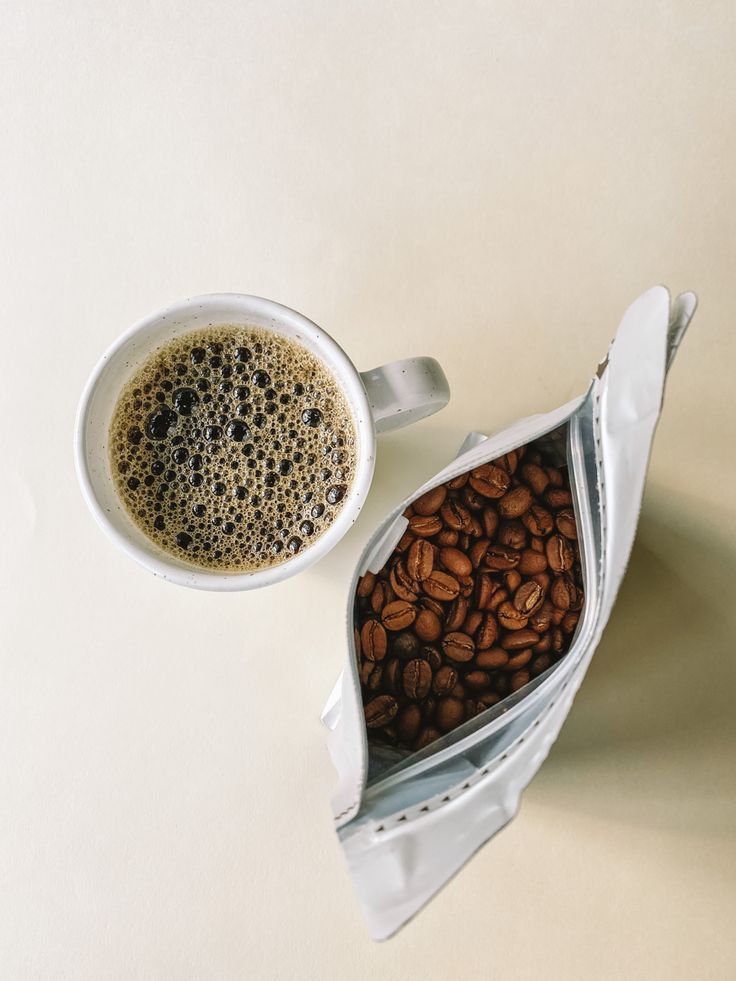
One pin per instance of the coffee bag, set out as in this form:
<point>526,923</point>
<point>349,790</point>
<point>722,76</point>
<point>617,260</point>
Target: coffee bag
<point>410,811</point>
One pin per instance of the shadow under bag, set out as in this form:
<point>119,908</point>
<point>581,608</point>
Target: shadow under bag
<point>408,821</point>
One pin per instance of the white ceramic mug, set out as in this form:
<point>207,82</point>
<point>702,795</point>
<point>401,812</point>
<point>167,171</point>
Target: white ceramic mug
<point>385,398</point>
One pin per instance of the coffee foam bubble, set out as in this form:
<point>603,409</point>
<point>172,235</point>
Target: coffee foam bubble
<point>233,448</point>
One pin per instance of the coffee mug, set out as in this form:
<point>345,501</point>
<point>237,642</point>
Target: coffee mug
<point>385,398</point>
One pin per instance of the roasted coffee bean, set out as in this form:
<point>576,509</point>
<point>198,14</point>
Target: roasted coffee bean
<point>477,680</point>
<point>456,516</point>
<point>541,619</point>
<point>472,499</point>
<point>459,691</point>
<point>489,522</point>
<point>366,585</point>
<point>441,586</point>
<point>403,584</point>
<point>472,622</point>
<point>559,553</point>
<point>477,552</point>
<point>509,461</point>
<point>427,603</point>
<point>380,711</point>
<point>449,713</point>
<point>392,676</point>
<point>489,480</point>
<point>519,679</point>
<point>570,621</point>
<point>417,679</point>
<point>432,656</point>
<point>430,502</point>
<point>516,640</point>
<point>519,659</point>
<point>537,544</point>
<point>456,614</point>
<point>492,659</point>
<point>427,626</point>
<point>381,596</point>
<point>488,698</point>
<point>467,585</point>
<point>544,645</point>
<point>500,596</point>
<point>373,681</point>
<point>356,641</point>
<point>408,724</point>
<point>531,562</point>
<point>537,520</point>
<point>515,502</point>
<point>540,664</point>
<point>510,618</point>
<point>373,640</point>
<point>558,498</point>
<point>512,580</point>
<point>512,533</point>
<point>425,526</point>
<point>398,615</point>
<point>528,597</point>
<point>458,646</point>
<point>420,559</point>
<point>563,592</point>
<point>500,557</point>
<point>456,562</point>
<point>448,537</point>
<point>487,632</point>
<point>405,645</point>
<point>425,737</point>
<point>555,476</point>
<point>558,640</point>
<point>535,477</point>
<point>428,706</point>
<point>445,679</point>
<point>565,521</point>
<point>457,482</point>
<point>404,543</point>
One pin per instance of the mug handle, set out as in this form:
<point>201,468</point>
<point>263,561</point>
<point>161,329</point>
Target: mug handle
<point>404,392</point>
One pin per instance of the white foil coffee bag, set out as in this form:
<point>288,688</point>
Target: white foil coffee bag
<point>407,821</point>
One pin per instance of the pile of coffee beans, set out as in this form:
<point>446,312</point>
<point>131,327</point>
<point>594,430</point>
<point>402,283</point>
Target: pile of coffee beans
<point>482,594</point>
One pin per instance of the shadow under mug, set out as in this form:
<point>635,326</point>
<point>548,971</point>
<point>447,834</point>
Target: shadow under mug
<point>385,398</point>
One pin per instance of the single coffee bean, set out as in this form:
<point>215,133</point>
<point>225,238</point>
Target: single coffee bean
<point>408,724</point>
<point>456,562</point>
<point>477,552</point>
<point>557,497</point>
<point>537,544</point>
<point>447,537</point>
<point>428,706</point>
<point>512,580</point>
<point>541,619</point>
<point>555,476</point>
<point>457,482</point>
<point>430,502</point>
<point>459,691</point>
<point>445,679</point>
<point>528,597</point>
<point>563,592</point>
<point>565,521</point>
<point>519,659</point>
<point>544,579</point>
<point>392,676</point>
<point>512,533</point>
<point>472,499</point>
<point>456,614</point>
<point>427,603</point>
<point>449,713</point>
<point>499,597</point>
<point>477,680</point>
<point>570,621</point>
<point>544,645</point>
<point>472,622</point>
<point>381,596</point>
<point>559,553</point>
<point>487,632</point>
<point>425,526</point>
<point>417,679</point>
<point>535,477</point>
<point>458,646</point>
<point>508,462</point>
<point>489,480</point>
<point>432,656</point>
<point>420,559</point>
<point>426,737</point>
<point>500,557</point>
<point>510,618</point>
<point>404,543</point>
<point>373,640</point>
<point>515,502</point>
<point>403,584</point>
<point>519,679</point>
<point>488,698</point>
<point>427,626</point>
<point>380,711</point>
<point>540,664</point>
<point>456,516</point>
<point>489,522</point>
<point>492,659</point>
<point>398,615</point>
<point>441,586</point>
<point>537,520</point>
<point>558,640</point>
<point>517,640</point>
<point>405,645</point>
<point>373,681</point>
<point>531,562</point>
<point>485,587</point>
<point>366,585</point>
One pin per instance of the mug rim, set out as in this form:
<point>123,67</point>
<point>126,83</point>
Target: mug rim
<point>156,561</point>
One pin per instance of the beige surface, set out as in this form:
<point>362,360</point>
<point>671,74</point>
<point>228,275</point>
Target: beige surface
<point>490,183</point>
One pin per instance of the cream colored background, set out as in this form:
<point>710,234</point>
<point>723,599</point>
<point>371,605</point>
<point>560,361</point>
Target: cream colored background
<point>491,183</point>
